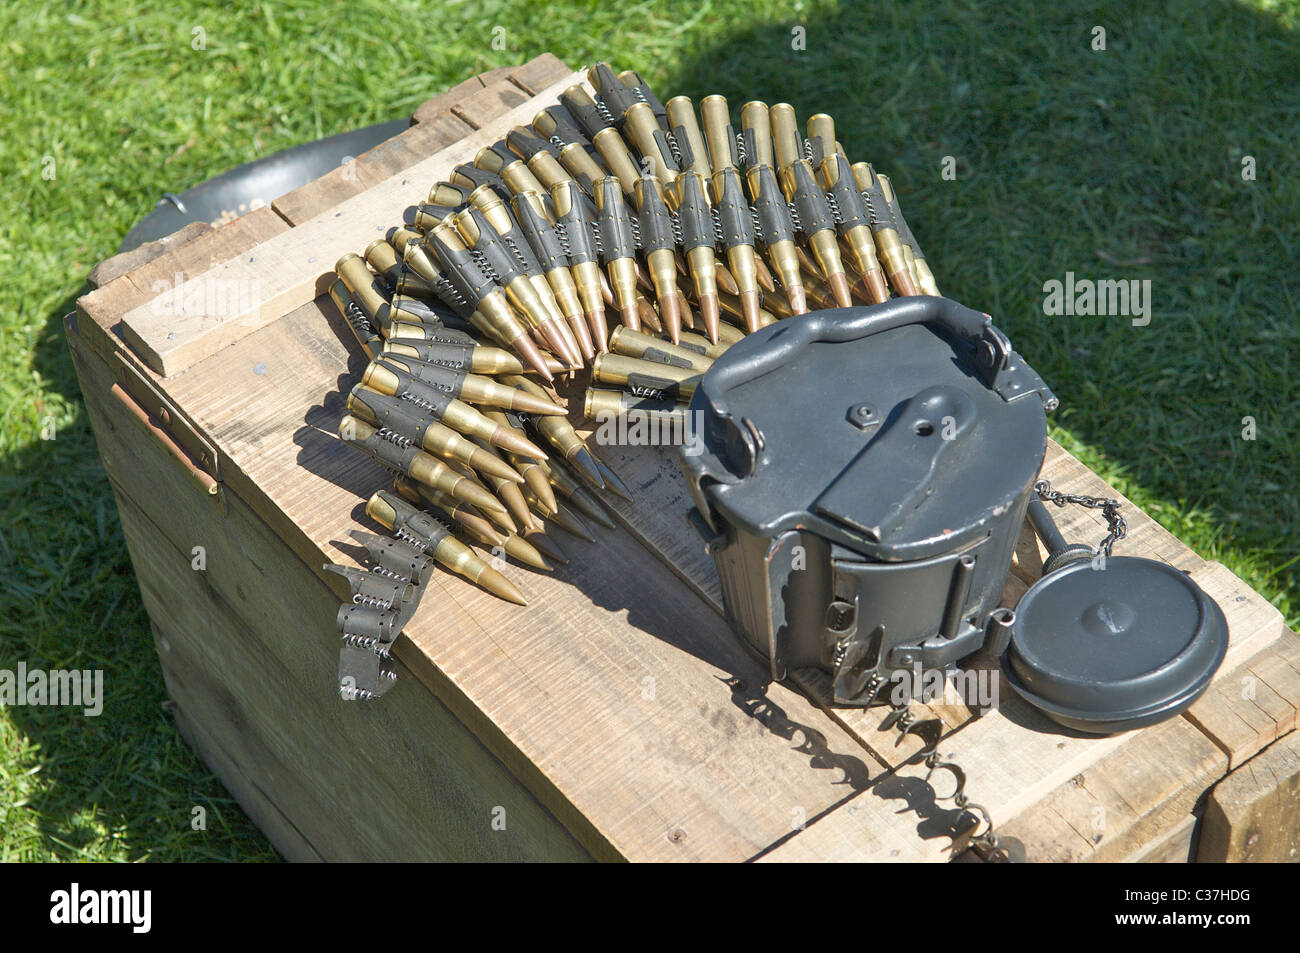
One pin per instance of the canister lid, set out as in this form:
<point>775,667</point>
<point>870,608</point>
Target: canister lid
<point>1105,650</point>
<point>901,431</point>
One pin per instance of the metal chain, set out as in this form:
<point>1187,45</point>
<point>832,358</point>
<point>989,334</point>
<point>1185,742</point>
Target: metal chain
<point>1109,509</point>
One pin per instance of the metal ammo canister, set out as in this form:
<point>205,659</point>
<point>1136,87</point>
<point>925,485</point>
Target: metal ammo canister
<point>861,477</point>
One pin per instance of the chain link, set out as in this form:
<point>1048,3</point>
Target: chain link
<point>1118,527</point>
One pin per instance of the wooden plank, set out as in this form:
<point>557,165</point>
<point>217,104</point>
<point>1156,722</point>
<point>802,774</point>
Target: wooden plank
<point>123,262</point>
<point>1177,845</point>
<point>291,269</point>
<point>369,169</point>
<point>1123,802</point>
<point>256,803</point>
<point>358,782</point>
<point>712,764</point>
<point>480,108</point>
<point>1253,815</point>
<point>539,73</point>
<point>253,430</point>
<point>181,264</point>
<point>1257,704</point>
<point>441,104</point>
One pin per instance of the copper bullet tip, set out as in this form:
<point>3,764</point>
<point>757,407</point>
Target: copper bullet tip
<point>840,289</point>
<point>583,337</point>
<point>558,344</point>
<point>878,286</point>
<point>903,282</point>
<point>509,439</point>
<point>599,332</point>
<point>597,323</point>
<point>684,309</point>
<point>532,356</point>
<point>631,318</point>
<point>648,315</point>
<point>749,309</point>
<point>711,316</point>
<point>670,310</point>
<point>872,287</point>
<point>798,299</point>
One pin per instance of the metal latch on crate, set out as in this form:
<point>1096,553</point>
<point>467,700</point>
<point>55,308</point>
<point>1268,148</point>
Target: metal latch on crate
<point>156,413</point>
<point>147,404</point>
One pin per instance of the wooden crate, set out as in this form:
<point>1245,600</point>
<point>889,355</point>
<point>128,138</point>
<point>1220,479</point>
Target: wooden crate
<point>616,716</point>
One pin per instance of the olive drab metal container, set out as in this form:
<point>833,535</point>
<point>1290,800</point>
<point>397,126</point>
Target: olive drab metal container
<point>861,476</point>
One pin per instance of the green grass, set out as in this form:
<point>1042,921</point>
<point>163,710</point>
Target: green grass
<point>1115,164</point>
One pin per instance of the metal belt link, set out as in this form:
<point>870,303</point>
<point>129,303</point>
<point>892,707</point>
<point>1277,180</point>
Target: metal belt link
<point>930,731</point>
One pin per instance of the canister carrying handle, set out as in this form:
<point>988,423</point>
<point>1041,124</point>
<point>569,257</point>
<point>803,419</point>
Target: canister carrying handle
<point>992,349</point>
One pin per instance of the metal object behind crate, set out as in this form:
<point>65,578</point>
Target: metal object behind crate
<point>861,477</point>
<point>261,181</point>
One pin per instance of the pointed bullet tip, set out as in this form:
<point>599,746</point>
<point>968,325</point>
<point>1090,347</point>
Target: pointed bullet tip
<point>749,309</point>
<point>588,467</point>
<point>548,547</point>
<point>903,282</point>
<point>672,315</point>
<point>877,287</point>
<point>798,299</point>
<point>840,289</point>
<point>501,587</point>
<point>529,404</point>
<point>583,337</point>
<point>599,333</point>
<point>532,356</point>
<point>511,440</point>
<point>712,317</point>
<point>613,483</point>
